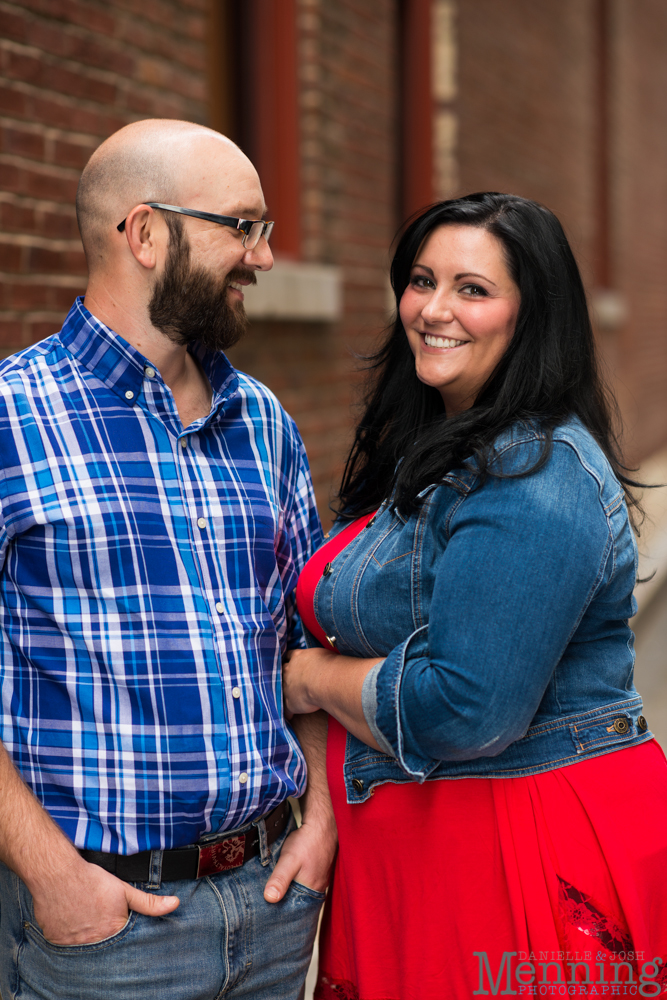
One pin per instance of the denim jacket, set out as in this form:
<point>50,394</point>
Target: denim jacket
<point>501,608</point>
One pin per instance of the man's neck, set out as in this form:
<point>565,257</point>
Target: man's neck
<point>181,373</point>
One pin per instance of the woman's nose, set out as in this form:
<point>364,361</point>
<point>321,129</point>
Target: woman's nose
<point>438,309</point>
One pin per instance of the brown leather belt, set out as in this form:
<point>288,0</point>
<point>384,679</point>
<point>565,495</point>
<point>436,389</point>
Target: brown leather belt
<point>214,856</point>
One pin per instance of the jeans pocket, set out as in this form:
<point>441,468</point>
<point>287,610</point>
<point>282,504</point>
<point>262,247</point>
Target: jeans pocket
<point>305,890</point>
<point>34,931</point>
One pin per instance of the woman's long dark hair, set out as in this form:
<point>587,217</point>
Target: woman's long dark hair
<point>405,442</point>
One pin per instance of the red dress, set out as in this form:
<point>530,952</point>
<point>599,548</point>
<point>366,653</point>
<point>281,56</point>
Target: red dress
<point>549,885</point>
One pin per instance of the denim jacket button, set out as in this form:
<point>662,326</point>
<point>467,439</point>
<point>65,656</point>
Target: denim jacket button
<point>621,725</point>
<point>642,723</point>
<point>357,784</point>
<point>328,569</point>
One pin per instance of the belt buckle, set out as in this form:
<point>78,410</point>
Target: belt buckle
<point>221,857</point>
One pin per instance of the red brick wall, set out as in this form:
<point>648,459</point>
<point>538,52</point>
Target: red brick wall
<point>348,95</point>
<point>529,112</point>
<point>71,73</point>
<point>639,217</point>
<point>526,111</point>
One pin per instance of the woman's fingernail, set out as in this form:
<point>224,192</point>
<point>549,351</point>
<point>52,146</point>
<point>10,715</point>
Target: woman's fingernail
<point>271,892</point>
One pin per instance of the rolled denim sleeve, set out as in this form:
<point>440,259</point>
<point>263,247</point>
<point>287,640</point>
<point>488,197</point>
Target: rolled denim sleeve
<point>522,561</point>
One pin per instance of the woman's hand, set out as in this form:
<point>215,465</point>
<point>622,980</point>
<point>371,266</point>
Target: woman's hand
<point>302,669</point>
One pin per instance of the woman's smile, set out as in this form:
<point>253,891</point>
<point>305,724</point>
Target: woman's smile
<point>442,343</point>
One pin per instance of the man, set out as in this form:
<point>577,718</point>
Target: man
<point>156,511</point>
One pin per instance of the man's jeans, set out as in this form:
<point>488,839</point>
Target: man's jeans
<point>224,940</point>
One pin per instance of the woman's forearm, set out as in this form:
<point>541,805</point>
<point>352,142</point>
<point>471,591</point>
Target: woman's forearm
<point>340,690</point>
<point>316,678</point>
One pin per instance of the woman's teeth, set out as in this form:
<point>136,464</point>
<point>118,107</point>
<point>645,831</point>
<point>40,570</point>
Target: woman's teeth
<point>432,341</point>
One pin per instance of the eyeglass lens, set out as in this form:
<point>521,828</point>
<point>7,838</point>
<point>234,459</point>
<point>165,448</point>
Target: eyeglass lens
<point>255,234</point>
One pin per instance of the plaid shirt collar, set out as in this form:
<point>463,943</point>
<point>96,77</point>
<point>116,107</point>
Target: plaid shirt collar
<point>121,368</point>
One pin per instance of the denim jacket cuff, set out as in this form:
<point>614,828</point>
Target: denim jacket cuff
<point>387,721</point>
<point>369,705</point>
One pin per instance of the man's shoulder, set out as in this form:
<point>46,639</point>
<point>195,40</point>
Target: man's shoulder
<point>264,404</point>
<point>30,365</point>
<point>38,355</point>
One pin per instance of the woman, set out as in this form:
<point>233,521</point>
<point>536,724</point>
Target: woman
<point>501,803</point>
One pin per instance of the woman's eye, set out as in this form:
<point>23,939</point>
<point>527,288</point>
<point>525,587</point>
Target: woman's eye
<point>421,281</point>
<point>474,291</point>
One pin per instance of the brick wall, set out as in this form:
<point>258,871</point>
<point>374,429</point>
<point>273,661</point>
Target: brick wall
<point>520,113</point>
<point>71,73</point>
<point>529,112</point>
<point>639,218</point>
<point>526,111</point>
<point>348,103</point>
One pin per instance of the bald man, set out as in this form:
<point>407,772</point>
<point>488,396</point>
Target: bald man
<point>156,510</point>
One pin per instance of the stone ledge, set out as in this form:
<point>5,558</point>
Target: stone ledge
<point>295,290</point>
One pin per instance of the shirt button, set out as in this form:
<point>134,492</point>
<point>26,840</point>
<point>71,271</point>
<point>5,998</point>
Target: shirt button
<point>129,394</point>
<point>243,777</point>
<point>184,442</point>
<point>236,692</point>
<point>149,372</point>
<point>201,523</point>
<point>328,570</point>
<point>219,607</point>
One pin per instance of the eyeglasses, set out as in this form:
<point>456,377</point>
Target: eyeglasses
<point>252,230</point>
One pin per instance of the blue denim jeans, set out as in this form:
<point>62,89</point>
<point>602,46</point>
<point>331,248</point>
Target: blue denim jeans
<point>224,940</point>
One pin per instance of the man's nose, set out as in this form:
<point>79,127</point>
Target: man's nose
<point>260,257</point>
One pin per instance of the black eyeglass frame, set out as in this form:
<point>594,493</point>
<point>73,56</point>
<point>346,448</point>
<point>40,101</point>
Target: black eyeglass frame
<point>245,226</point>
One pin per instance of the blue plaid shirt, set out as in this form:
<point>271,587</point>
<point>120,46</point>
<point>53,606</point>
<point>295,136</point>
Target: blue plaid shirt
<point>147,579</point>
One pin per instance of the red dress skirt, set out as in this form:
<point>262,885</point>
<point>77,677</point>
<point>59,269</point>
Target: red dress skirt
<point>550,885</point>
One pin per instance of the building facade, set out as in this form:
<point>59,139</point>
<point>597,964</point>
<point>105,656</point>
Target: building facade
<point>357,113</point>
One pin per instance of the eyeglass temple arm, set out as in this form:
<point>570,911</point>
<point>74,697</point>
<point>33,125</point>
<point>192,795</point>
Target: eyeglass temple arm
<point>225,220</point>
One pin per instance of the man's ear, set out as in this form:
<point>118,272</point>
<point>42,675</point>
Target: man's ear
<point>145,233</point>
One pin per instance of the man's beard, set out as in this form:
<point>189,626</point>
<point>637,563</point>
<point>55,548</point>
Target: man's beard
<point>190,304</point>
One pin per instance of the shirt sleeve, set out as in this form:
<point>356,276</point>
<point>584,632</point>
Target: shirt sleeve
<point>523,559</point>
<point>303,533</point>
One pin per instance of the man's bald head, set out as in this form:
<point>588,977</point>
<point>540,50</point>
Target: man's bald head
<point>153,160</point>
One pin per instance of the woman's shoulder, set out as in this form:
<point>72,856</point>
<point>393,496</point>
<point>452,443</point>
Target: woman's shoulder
<point>569,446</point>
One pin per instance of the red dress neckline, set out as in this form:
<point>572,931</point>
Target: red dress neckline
<point>312,573</point>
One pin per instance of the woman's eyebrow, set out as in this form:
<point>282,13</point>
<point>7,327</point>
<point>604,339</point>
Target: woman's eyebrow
<point>457,277</point>
<point>472,274</point>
